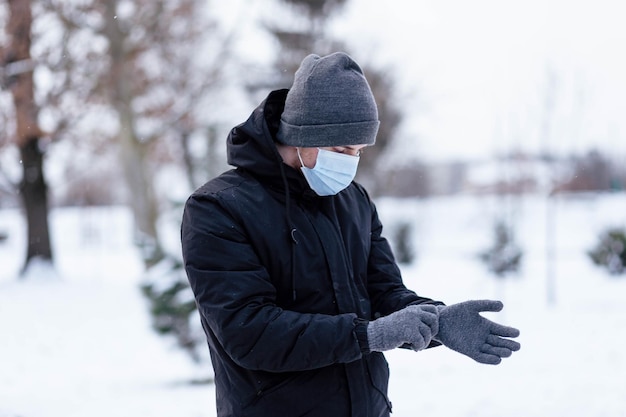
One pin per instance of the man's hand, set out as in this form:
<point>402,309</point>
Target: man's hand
<point>463,329</point>
<point>414,326</point>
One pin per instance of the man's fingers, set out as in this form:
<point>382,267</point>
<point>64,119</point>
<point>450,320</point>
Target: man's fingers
<point>486,305</point>
<point>426,314</point>
<point>425,331</point>
<point>504,331</point>
<point>494,350</point>
<point>430,308</point>
<point>487,359</point>
<point>431,319</point>
<point>496,341</point>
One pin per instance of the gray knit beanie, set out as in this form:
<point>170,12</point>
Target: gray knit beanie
<point>329,104</point>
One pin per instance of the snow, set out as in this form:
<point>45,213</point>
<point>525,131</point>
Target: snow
<point>81,344</point>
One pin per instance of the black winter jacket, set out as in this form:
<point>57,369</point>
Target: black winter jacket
<point>285,284</point>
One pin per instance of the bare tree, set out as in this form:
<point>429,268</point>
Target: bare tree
<point>124,78</point>
<point>590,172</point>
<point>18,78</point>
<point>143,68</point>
<point>302,34</point>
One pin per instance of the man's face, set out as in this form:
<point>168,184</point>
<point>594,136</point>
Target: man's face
<point>309,155</point>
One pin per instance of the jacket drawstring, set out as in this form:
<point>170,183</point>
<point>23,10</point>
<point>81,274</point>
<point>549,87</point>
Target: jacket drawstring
<point>292,230</point>
<point>290,227</point>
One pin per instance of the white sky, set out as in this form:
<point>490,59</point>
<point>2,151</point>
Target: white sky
<point>474,73</point>
<point>477,71</point>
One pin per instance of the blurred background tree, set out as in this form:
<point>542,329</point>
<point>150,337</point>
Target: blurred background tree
<point>126,88</point>
<point>127,93</point>
<point>123,94</point>
<point>610,251</point>
<point>504,256</point>
<point>17,77</point>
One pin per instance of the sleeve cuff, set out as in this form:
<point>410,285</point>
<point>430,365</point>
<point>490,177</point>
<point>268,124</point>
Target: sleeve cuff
<point>360,331</point>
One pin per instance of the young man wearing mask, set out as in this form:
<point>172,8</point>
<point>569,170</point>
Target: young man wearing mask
<point>297,289</point>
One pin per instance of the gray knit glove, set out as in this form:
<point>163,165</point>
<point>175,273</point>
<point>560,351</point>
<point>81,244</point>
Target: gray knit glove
<point>463,329</point>
<point>413,326</point>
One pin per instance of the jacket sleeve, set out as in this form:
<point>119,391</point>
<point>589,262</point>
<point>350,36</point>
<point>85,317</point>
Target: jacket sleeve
<point>385,287</point>
<point>237,300</point>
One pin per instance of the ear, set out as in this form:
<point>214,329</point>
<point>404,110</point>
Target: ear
<point>289,155</point>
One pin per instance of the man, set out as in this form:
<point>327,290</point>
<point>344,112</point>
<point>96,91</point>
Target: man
<point>298,291</point>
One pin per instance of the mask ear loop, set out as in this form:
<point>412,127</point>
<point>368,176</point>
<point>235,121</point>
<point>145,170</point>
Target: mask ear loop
<point>300,158</point>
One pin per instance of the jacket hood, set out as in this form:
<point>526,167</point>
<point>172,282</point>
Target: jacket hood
<point>250,145</point>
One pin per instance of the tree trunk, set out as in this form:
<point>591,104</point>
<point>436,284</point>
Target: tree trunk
<point>134,153</point>
<point>142,200</point>
<point>33,188</point>
<point>34,192</point>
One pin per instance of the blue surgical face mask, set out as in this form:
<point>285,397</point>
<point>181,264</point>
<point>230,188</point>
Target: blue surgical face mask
<point>332,172</point>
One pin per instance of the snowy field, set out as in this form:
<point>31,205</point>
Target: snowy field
<point>78,343</point>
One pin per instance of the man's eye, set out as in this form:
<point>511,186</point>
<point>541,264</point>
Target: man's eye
<point>348,151</point>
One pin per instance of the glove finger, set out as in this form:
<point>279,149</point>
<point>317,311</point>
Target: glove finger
<point>487,359</point>
<point>496,341</point>
<point>504,331</point>
<point>415,348</point>
<point>430,308</point>
<point>425,331</point>
<point>430,319</point>
<point>486,305</point>
<point>494,350</point>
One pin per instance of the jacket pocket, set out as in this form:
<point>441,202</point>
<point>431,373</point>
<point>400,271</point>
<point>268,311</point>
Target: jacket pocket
<point>272,385</point>
<point>321,392</point>
<point>378,369</point>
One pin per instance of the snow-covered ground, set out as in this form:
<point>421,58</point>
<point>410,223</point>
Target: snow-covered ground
<point>80,344</point>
